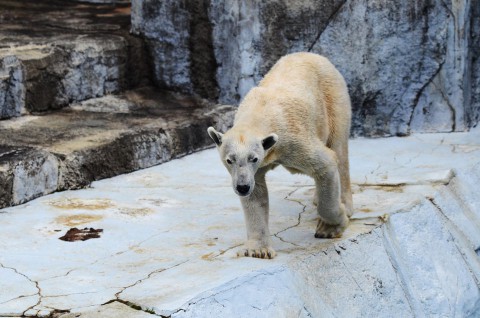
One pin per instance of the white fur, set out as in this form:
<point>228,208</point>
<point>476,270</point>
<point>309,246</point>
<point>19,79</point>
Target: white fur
<point>299,117</point>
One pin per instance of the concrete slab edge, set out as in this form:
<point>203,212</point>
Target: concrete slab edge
<point>27,173</point>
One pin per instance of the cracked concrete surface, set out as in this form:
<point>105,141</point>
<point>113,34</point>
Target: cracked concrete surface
<point>170,235</point>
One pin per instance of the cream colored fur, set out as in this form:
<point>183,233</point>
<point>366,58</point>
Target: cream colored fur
<point>299,117</point>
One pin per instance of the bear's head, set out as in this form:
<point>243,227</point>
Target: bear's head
<point>242,153</point>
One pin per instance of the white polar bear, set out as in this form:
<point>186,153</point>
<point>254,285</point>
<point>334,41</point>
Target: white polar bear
<point>299,117</point>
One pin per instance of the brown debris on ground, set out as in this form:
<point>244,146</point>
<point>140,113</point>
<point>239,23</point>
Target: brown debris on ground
<point>75,234</point>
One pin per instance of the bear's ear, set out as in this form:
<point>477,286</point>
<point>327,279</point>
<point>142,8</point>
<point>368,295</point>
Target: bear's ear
<point>269,141</point>
<point>215,135</point>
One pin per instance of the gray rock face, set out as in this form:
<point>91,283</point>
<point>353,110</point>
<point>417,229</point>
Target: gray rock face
<point>25,174</point>
<point>249,37</point>
<point>45,77</point>
<point>178,34</point>
<point>67,58</point>
<point>411,66</point>
<point>388,55</point>
<point>12,92</point>
<point>473,114</point>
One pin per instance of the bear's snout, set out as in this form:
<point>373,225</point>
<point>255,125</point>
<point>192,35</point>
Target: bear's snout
<point>243,189</point>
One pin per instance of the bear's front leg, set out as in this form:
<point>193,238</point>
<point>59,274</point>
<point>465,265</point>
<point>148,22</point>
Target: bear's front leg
<point>255,208</point>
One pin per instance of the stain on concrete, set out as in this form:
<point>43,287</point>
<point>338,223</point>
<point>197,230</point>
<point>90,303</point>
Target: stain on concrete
<point>136,212</point>
<point>465,148</point>
<point>77,219</point>
<point>75,234</point>
<point>81,204</point>
<point>209,256</point>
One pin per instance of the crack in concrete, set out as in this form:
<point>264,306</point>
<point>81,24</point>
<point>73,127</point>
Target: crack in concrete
<point>39,290</point>
<point>148,310</point>
<point>104,258</point>
<point>270,272</point>
<point>15,298</point>
<point>347,268</point>
<point>299,219</point>
<point>226,250</point>
<point>133,306</point>
<point>309,314</point>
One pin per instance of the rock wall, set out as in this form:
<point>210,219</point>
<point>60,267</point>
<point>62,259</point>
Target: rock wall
<point>12,92</point>
<point>474,111</point>
<point>411,66</point>
<point>75,52</point>
<point>42,77</point>
<point>179,36</point>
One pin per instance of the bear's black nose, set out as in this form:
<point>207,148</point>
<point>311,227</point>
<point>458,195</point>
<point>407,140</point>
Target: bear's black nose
<point>243,189</point>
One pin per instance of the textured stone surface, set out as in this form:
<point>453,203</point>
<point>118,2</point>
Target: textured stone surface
<point>25,174</point>
<point>388,54</point>
<point>474,111</point>
<point>170,235</point>
<point>12,92</point>
<point>101,138</point>
<point>411,66</point>
<point>178,34</point>
<point>250,36</point>
<point>66,58</point>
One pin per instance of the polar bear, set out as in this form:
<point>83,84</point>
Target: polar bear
<point>298,117</point>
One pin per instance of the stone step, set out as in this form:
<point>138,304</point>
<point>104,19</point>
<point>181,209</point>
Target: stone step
<point>75,52</point>
<point>101,138</point>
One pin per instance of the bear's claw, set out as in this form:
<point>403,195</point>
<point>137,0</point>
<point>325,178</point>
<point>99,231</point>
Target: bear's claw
<point>265,253</point>
<point>325,230</point>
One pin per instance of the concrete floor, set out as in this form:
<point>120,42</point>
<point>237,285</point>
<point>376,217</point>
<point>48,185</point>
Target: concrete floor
<point>170,233</point>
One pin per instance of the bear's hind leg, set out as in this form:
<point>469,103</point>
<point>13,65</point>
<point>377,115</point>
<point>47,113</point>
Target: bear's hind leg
<point>344,171</point>
<point>333,215</point>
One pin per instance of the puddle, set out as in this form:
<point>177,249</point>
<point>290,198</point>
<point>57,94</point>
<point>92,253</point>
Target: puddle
<point>75,234</point>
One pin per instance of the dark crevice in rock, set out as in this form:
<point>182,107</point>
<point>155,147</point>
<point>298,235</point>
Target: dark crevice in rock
<point>332,17</point>
<point>288,28</point>
<point>420,92</point>
<point>202,58</point>
<point>449,104</point>
<point>473,115</point>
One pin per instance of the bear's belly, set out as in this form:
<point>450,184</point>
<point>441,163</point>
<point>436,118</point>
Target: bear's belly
<point>293,170</point>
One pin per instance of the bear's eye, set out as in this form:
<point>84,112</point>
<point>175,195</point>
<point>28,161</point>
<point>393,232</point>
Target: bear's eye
<point>229,161</point>
<point>254,159</point>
